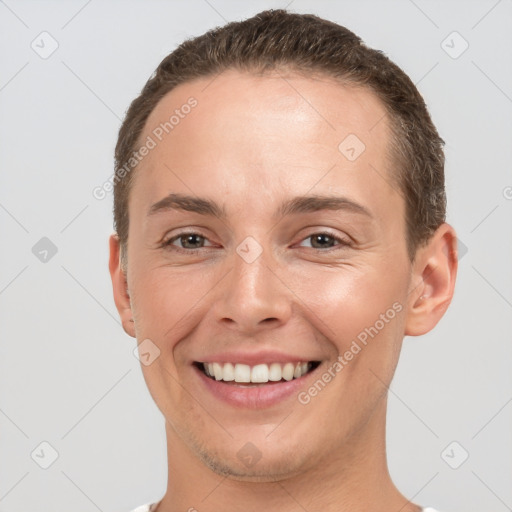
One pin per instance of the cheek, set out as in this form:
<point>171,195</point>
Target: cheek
<point>360,313</point>
<point>347,301</point>
<point>361,316</point>
<point>165,301</point>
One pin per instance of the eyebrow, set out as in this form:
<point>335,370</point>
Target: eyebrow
<point>296,205</point>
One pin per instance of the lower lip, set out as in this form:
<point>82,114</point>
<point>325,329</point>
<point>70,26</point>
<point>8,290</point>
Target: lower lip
<point>254,397</point>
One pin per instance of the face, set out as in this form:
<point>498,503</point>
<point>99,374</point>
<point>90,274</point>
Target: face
<point>266,240</point>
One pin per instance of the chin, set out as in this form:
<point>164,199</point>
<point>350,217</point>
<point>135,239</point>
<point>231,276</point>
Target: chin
<point>252,465</point>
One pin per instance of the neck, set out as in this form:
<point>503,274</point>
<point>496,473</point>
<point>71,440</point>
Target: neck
<point>354,479</point>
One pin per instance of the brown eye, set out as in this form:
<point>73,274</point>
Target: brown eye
<point>186,242</point>
<point>191,240</point>
<point>326,241</point>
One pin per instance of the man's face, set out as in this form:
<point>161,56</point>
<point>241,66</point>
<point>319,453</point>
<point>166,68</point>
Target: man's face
<point>256,286</point>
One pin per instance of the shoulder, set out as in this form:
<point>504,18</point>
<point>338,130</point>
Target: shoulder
<point>148,506</point>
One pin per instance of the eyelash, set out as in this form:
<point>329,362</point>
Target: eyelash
<point>167,244</point>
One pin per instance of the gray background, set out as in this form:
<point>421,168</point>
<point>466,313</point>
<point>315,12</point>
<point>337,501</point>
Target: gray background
<point>68,376</point>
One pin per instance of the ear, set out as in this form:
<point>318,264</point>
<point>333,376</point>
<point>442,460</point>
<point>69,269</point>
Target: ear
<point>120,286</point>
<point>432,281</point>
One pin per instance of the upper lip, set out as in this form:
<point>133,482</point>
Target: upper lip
<point>253,358</point>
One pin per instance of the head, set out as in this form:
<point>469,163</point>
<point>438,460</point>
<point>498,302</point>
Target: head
<point>286,200</point>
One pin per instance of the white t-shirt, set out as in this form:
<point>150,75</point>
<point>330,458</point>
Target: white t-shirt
<point>149,507</point>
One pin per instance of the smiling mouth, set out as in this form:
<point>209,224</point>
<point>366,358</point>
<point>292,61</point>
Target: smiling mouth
<point>244,374</point>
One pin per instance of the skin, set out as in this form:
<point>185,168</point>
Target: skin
<point>251,143</point>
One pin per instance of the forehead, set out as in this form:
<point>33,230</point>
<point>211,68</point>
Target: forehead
<point>270,101</point>
<point>249,133</point>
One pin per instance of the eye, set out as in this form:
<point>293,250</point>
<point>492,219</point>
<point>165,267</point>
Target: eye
<point>325,240</point>
<point>189,241</point>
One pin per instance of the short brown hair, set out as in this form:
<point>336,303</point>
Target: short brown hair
<point>305,43</point>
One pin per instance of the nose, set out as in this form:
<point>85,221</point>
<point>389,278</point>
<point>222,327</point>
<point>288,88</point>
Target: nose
<point>253,296</point>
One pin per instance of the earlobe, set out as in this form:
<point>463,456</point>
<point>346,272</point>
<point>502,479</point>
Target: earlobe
<point>433,281</point>
<point>120,286</point>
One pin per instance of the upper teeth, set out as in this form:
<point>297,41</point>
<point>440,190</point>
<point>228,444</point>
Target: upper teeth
<point>259,373</point>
